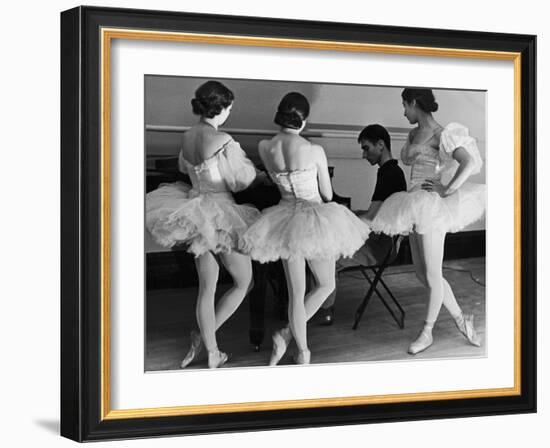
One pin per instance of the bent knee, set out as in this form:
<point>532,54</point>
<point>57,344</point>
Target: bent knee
<point>207,288</point>
<point>327,286</point>
<point>250,285</point>
<point>434,277</point>
<point>244,281</point>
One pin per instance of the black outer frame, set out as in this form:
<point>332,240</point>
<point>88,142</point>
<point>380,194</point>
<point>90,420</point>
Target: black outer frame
<point>80,223</point>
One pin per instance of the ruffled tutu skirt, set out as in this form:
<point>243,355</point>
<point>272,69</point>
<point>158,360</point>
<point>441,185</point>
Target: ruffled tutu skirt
<point>305,229</point>
<point>422,211</point>
<point>176,214</point>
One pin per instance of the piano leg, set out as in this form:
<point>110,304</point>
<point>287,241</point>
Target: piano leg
<point>277,280</point>
<point>256,301</point>
<point>273,274</point>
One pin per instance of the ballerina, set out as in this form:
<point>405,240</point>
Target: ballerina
<point>301,228</point>
<point>205,217</point>
<point>431,208</point>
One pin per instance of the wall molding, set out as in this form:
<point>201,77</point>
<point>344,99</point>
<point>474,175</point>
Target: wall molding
<point>313,130</point>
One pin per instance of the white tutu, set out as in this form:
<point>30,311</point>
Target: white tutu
<point>306,229</point>
<point>205,222</point>
<point>423,211</point>
<point>205,217</point>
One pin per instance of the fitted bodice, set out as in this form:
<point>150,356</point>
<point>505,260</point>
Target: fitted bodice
<point>432,163</point>
<point>228,170</point>
<point>297,185</point>
<point>425,162</point>
<point>206,177</point>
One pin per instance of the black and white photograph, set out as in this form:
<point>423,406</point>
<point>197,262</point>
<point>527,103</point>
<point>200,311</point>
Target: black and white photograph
<point>272,224</point>
<point>292,223</point>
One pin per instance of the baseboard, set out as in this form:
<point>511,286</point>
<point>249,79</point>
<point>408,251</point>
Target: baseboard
<point>457,245</point>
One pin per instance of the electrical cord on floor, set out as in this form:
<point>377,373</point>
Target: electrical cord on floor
<point>474,279</point>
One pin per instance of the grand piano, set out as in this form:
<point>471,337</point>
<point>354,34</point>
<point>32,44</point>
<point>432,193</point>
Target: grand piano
<point>265,274</point>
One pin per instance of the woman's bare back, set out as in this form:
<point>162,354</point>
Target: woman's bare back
<point>290,152</point>
<point>287,152</point>
<point>202,142</point>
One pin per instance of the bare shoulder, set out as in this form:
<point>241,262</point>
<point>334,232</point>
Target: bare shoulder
<point>317,151</point>
<point>437,132</point>
<point>218,138</point>
<point>263,145</point>
<point>207,136</point>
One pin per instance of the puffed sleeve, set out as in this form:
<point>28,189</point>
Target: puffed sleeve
<point>235,167</point>
<point>454,136</point>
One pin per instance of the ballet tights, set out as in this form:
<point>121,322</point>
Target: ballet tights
<point>427,253</point>
<point>302,307</point>
<point>209,316</point>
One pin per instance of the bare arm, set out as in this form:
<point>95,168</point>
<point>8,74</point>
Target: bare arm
<point>261,153</point>
<point>465,168</point>
<point>323,177</point>
<point>181,163</point>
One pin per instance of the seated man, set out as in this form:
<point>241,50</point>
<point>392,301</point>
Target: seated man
<point>376,145</point>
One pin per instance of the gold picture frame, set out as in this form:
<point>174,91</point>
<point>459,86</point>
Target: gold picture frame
<point>102,26</point>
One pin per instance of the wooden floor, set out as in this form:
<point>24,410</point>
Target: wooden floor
<point>171,316</point>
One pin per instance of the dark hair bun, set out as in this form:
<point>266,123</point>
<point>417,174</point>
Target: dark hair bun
<point>289,120</point>
<point>211,98</point>
<point>198,107</point>
<point>292,111</point>
<point>424,98</point>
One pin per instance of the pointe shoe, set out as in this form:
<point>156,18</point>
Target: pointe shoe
<point>281,339</point>
<point>194,349</point>
<point>217,359</point>
<point>466,327</point>
<point>421,343</point>
<point>303,357</point>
